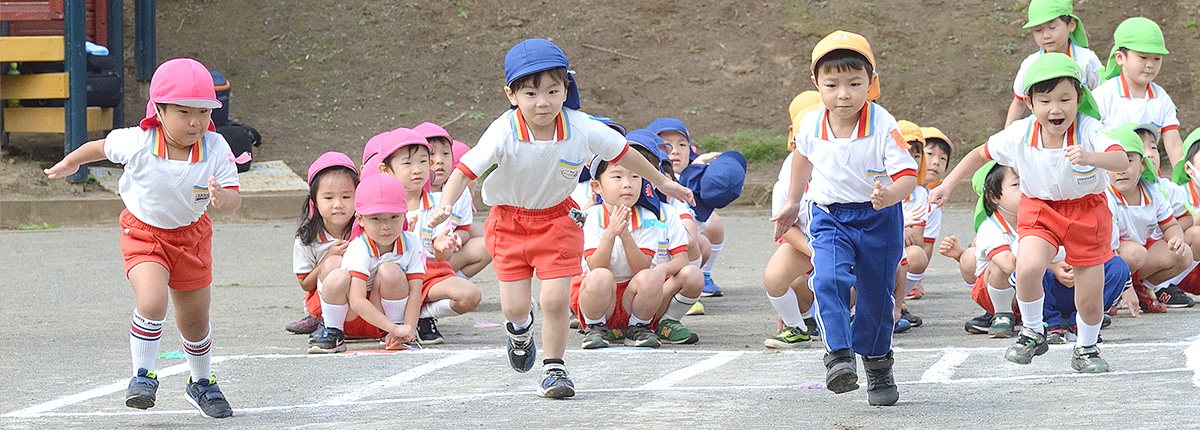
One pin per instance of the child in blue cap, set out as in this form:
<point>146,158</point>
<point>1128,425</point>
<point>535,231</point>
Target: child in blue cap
<point>538,148</point>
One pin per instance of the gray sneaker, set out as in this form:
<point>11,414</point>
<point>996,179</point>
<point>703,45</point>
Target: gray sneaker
<point>1029,344</point>
<point>641,335</point>
<point>555,383</point>
<point>841,374</point>
<point>1002,325</point>
<point>594,335</point>
<point>1087,360</point>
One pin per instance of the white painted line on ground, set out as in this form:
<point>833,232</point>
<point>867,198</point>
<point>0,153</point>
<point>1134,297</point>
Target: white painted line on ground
<point>942,369</point>
<point>1046,376</point>
<point>42,408</point>
<point>685,373</point>
<point>1193,360</point>
<point>405,376</point>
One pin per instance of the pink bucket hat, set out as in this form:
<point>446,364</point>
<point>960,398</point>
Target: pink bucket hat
<point>371,166</point>
<point>327,160</point>
<point>400,138</point>
<point>184,82</point>
<point>429,130</point>
<point>457,151</point>
<point>373,145</point>
<point>380,194</point>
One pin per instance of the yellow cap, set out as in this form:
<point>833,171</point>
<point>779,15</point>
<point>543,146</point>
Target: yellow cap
<point>841,39</point>
<point>804,103</point>
<point>933,132</point>
<point>910,131</point>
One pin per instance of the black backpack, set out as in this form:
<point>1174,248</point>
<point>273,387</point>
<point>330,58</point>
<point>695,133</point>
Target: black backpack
<point>242,139</point>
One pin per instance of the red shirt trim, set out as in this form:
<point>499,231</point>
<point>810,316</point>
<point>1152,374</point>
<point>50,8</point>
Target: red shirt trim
<point>467,171</point>
<point>621,155</point>
<point>999,249</point>
<point>679,249</point>
<point>903,173</point>
<point>359,275</point>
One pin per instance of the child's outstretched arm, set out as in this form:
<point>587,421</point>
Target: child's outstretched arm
<point>88,153</point>
<point>801,173</point>
<point>1111,160</point>
<point>224,199</point>
<point>643,168</point>
<point>967,166</point>
<point>451,191</point>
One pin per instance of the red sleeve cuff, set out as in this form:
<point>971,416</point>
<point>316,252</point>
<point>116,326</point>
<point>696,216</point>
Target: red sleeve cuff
<point>986,152</point>
<point>462,227</point>
<point>649,252</point>
<point>930,240</point>
<point>997,250</point>
<point>1114,148</point>
<point>301,276</point>
<point>359,275</point>
<point>903,173</point>
<point>621,155</point>
<point>681,248</point>
<point>1169,128</point>
<point>467,171</point>
<point>588,252</point>
<point>1168,218</point>
<point>686,216</point>
<point>235,189</point>
<point>412,276</point>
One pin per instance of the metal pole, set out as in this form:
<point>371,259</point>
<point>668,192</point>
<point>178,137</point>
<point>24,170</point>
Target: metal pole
<point>144,42</point>
<point>75,64</point>
<point>116,47</point>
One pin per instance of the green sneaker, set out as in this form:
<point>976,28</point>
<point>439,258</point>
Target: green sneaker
<point>641,336</point>
<point>1029,344</point>
<point>1087,360</point>
<point>614,335</point>
<point>1002,325</point>
<point>671,331</point>
<point>594,336</point>
<point>789,337</point>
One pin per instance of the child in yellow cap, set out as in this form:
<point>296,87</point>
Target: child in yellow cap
<point>857,169</point>
<point>916,219</point>
<point>1055,28</point>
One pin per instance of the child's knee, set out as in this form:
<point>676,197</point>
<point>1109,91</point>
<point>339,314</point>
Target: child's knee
<point>391,281</point>
<point>336,283</point>
<point>647,279</point>
<point>691,281</point>
<point>599,281</point>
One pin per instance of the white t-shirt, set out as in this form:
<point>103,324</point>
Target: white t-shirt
<point>659,238</point>
<point>164,193</point>
<point>916,206</point>
<point>995,235</point>
<point>1084,57</point>
<point>538,174</point>
<point>419,217</point>
<point>1139,221</point>
<point>1046,173</point>
<point>1176,196</point>
<point>933,225</point>
<point>306,256</point>
<point>1118,107</point>
<point>845,169</point>
<point>363,256</point>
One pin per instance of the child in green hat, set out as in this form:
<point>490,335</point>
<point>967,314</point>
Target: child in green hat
<point>1136,59</point>
<point>1055,28</point>
<point>1061,153</point>
<point>1187,175</point>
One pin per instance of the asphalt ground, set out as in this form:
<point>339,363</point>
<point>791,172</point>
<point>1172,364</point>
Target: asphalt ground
<point>65,308</point>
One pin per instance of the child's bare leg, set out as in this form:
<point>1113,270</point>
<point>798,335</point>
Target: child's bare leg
<point>643,296</point>
<point>598,295</point>
<point>1089,293</point>
<point>1162,264</point>
<point>899,290</point>
<point>472,258</point>
<point>688,283</point>
<point>555,295</point>
<point>1032,262</point>
<point>462,295</point>
<point>966,265</point>
<point>1134,255</point>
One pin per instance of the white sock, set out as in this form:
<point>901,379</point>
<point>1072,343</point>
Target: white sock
<point>144,337</point>
<point>788,309</point>
<point>460,274</point>
<point>713,253</point>
<point>199,356</point>
<point>1031,314</point>
<point>1002,299</point>
<point>679,306</point>
<point>334,315</point>
<point>1088,333</point>
<point>524,325</point>
<point>438,309</point>
<point>1179,278</point>
<point>394,309</point>
<point>602,320</point>
<point>911,280</point>
<point>1154,287</point>
<point>807,314</point>
<point>697,261</point>
<point>634,320</point>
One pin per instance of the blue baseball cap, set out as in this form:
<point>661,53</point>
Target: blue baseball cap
<point>717,184</point>
<point>661,125</point>
<point>535,55</point>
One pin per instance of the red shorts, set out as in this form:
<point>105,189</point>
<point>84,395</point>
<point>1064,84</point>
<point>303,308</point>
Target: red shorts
<point>1191,282</point>
<point>356,328</point>
<point>186,252</point>
<point>1083,226</point>
<point>435,272</point>
<point>619,318</point>
<point>520,240</point>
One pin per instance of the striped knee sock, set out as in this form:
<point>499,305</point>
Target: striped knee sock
<point>144,337</point>
<point>199,356</point>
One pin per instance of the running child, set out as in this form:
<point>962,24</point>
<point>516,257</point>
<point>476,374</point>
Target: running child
<point>176,165</point>
<point>1057,152</point>
<point>406,157</point>
<point>472,257</point>
<point>1055,28</point>
<point>538,149</point>
<point>381,269</point>
<point>860,170</point>
<point>324,232</point>
<point>1136,59</point>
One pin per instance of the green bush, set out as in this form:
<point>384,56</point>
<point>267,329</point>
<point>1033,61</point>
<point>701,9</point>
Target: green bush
<point>759,146</point>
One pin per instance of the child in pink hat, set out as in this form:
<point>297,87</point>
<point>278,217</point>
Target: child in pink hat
<point>385,261</point>
<point>176,165</point>
<point>472,257</point>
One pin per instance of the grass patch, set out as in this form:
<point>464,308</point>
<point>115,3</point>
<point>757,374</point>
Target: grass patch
<point>759,146</point>
<point>34,227</point>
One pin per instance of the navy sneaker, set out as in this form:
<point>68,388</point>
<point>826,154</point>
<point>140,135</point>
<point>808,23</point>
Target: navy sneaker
<point>207,398</point>
<point>142,390</point>
<point>711,289</point>
<point>555,383</point>
<point>522,351</point>
<point>331,340</point>
<point>427,332</point>
<point>813,332</point>
<point>979,324</point>
<point>902,325</point>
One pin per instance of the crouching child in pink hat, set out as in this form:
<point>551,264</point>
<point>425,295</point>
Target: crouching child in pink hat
<point>176,165</point>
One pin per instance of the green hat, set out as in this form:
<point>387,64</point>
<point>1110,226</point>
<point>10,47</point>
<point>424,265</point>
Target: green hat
<point>1056,65</point>
<point>1137,34</point>
<point>1043,11</point>
<point>1179,174</point>
<point>977,181</point>
<point>1129,139</point>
